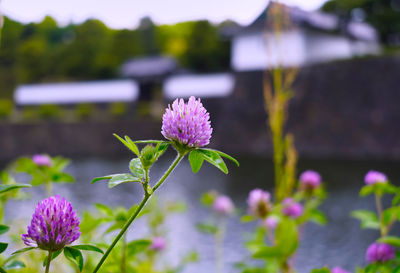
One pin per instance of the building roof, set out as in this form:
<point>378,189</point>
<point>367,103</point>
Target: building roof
<point>74,93</point>
<point>148,67</point>
<point>316,20</point>
<point>203,86</point>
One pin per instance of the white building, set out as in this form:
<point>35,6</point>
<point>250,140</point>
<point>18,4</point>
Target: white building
<point>312,37</point>
<point>76,93</point>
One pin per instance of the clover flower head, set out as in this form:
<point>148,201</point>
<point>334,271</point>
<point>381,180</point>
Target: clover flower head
<point>187,123</point>
<point>53,226</point>
<point>338,269</point>
<point>373,177</point>
<point>41,160</point>
<point>223,205</point>
<point>271,222</point>
<point>310,179</point>
<point>158,243</point>
<point>292,208</point>
<point>259,203</point>
<point>379,252</point>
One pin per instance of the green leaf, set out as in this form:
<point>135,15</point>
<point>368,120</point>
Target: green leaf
<point>208,198</point>
<point>267,252</point>
<point>116,179</point>
<point>105,209</point>
<point>321,270</point>
<point>367,190</point>
<point>22,250</point>
<point>75,256</point>
<point>318,217</point>
<point>226,156</point>
<point>214,158</point>
<point>391,240</point>
<point>122,178</point>
<point>88,248</point>
<point>3,246</point>
<point>136,167</point>
<point>129,144</point>
<point>15,264</point>
<point>206,228</point>
<point>196,160</point>
<point>161,148</point>
<point>9,187</point>
<point>396,200</point>
<point>4,229</point>
<point>149,141</point>
<point>137,246</point>
<point>287,237</point>
<point>247,218</point>
<point>368,218</point>
<point>62,178</point>
<point>2,270</point>
<point>53,256</point>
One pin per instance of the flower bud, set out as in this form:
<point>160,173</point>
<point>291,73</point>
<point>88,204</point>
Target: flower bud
<point>291,208</point>
<point>41,160</point>
<point>259,203</point>
<point>373,177</point>
<point>310,180</point>
<point>223,205</point>
<point>158,243</point>
<point>379,252</point>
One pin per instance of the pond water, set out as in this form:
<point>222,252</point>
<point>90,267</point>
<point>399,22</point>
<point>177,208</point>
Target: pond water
<point>341,242</point>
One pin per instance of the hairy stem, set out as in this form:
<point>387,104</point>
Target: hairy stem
<point>48,261</point>
<point>138,210</point>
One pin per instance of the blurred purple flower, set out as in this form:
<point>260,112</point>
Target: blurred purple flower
<point>379,252</point>
<point>339,270</point>
<point>223,205</point>
<point>54,225</point>
<point>291,208</point>
<point>271,222</point>
<point>158,243</point>
<point>41,160</point>
<point>187,123</point>
<point>310,179</point>
<point>259,203</point>
<point>373,177</point>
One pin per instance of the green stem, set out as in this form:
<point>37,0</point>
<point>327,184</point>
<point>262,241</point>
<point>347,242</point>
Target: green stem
<point>123,254</point>
<point>379,209</point>
<point>137,211</point>
<point>178,159</point>
<point>219,247</point>
<point>48,261</point>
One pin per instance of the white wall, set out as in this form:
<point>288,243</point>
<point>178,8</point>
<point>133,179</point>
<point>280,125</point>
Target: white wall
<point>323,47</point>
<point>255,51</point>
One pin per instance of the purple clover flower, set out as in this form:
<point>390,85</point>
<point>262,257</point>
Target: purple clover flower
<point>41,160</point>
<point>379,252</point>
<point>310,179</point>
<point>158,243</point>
<point>187,123</point>
<point>338,269</point>
<point>54,225</point>
<point>259,203</point>
<point>373,177</point>
<point>271,222</point>
<point>291,208</point>
<point>223,205</point>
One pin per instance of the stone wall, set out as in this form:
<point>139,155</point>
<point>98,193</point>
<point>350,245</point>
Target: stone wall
<point>347,109</point>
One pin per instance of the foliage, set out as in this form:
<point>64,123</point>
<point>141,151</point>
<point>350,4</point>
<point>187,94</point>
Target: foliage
<point>47,52</point>
<point>6,108</point>
<point>384,15</point>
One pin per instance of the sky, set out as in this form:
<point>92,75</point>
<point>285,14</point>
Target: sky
<point>127,13</point>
